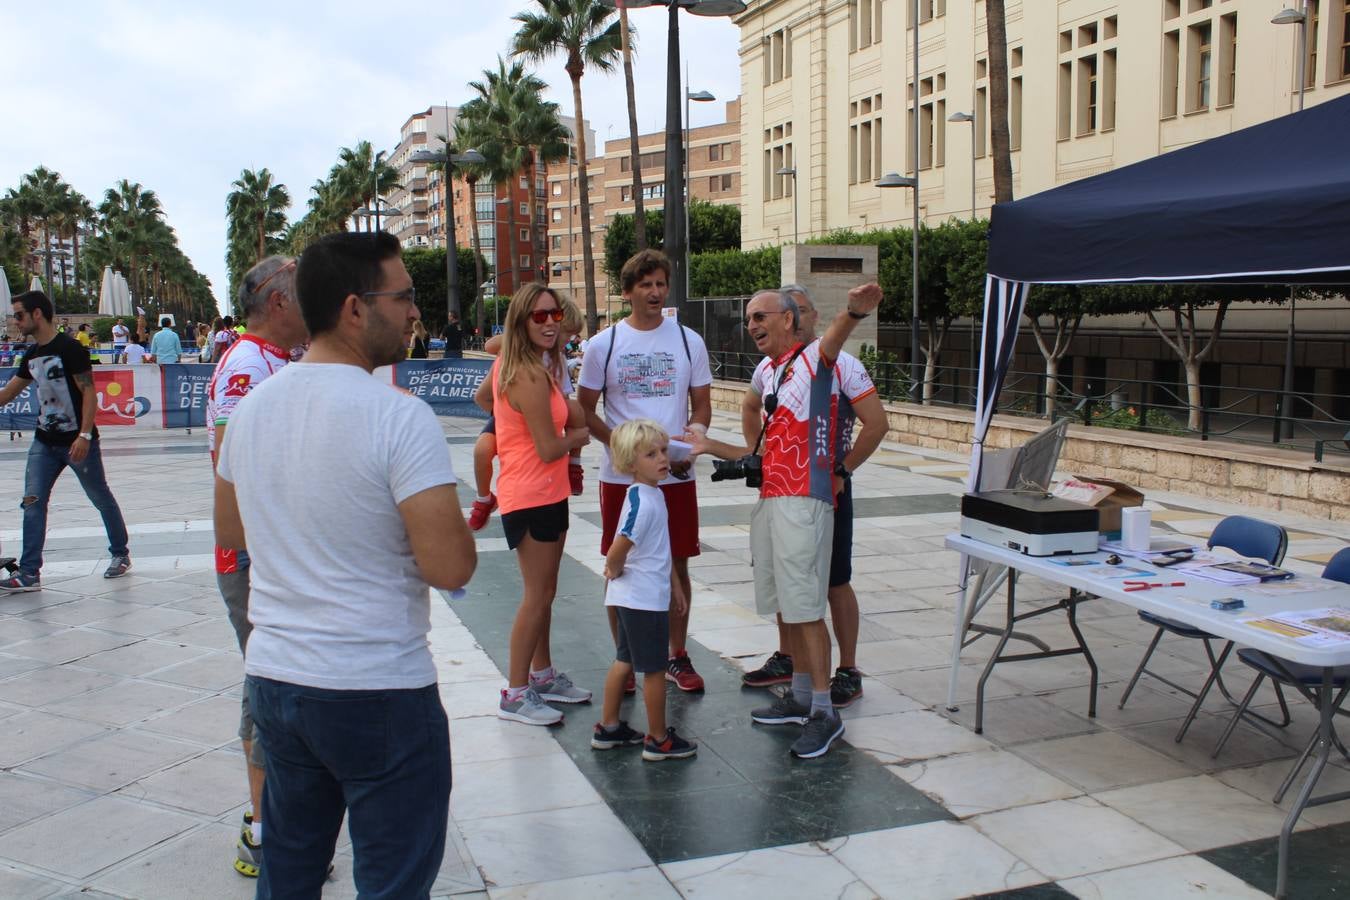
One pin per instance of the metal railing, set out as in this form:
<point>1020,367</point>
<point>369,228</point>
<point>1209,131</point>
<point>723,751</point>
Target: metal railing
<point>1318,423</point>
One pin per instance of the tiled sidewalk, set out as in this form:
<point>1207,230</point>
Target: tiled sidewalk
<point>121,775</point>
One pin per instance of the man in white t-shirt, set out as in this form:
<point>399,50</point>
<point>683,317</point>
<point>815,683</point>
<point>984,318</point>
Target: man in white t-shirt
<point>344,491</point>
<point>120,336</point>
<point>648,366</point>
<point>267,293</point>
<point>858,399</point>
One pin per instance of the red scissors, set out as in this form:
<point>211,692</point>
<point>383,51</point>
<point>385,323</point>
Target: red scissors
<point>1145,585</point>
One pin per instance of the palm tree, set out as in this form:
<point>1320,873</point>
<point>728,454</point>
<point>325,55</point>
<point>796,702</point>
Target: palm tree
<point>586,33</point>
<point>1000,143</point>
<point>474,128</point>
<point>626,33</point>
<point>361,175</point>
<point>47,191</point>
<point>128,211</point>
<point>21,207</point>
<point>257,207</point>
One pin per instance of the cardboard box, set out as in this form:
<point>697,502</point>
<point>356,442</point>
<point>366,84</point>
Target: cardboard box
<point>1109,507</point>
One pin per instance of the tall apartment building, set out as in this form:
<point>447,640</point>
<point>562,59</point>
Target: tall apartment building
<point>714,161</point>
<point>1094,84</point>
<point>501,211</point>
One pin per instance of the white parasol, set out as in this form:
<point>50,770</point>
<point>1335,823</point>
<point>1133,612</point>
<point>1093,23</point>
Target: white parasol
<point>4,291</point>
<point>107,294</point>
<point>35,284</point>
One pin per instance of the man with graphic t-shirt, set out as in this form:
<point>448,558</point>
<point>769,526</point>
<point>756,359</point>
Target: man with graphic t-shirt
<point>792,526</point>
<point>648,366</point>
<point>267,296</point>
<point>65,436</point>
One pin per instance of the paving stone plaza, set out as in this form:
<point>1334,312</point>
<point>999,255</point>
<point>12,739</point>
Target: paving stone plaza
<point>120,773</point>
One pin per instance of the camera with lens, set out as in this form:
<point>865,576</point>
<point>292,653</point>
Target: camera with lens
<point>750,467</point>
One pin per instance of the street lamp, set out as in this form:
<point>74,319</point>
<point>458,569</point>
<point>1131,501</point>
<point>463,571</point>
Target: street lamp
<point>792,170</point>
<point>675,241</point>
<point>895,180</point>
<point>450,160</point>
<point>1297,17</point>
<point>389,212</point>
<point>701,97</point>
<point>967,117</point>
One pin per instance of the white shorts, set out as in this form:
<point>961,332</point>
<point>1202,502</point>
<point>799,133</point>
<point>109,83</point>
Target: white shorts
<point>791,539</point>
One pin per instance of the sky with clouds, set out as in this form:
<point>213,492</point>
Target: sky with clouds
<point>183,96</point>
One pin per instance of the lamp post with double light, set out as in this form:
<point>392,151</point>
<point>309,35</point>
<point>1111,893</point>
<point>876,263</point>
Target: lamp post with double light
<point>967,117</point>
<point>792,171</point>
<point>685,182</point>
<point>450,160</point>
<point>1285,420</point>
<point>896,180</point>
<point>676,246</point>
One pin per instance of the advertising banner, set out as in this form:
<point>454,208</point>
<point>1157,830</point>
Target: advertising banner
<point>447,385</point>
<point>184,394</point>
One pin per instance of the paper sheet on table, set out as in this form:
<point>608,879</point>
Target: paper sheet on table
<point>1328,627</point>
<point>679,450</point>
<point>1158,546</point>
<point>1222,576</point>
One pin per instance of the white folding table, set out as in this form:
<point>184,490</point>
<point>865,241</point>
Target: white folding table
<point>1189,604</point>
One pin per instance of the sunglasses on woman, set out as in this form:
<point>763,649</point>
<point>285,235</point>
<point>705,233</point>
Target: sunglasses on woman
<point>540,316</point>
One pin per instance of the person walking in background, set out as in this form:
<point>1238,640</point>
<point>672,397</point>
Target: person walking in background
<point>82,335</point>
<point>65,436</point>
<point>225,336</point>
<point>536,428</point>
<point>120,337</point>
<point>203,343</point>
<point>454,337</point>
<point>165,347</point>
<point>418,350</point>
<point>142,332</point>
<point>341,680</point>
<point>267,295</point>
<point>638,589</point>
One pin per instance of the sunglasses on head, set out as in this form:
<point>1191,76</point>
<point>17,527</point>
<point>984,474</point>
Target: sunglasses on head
<point>540,316</point>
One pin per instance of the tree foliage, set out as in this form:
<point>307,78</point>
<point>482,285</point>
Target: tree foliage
<point>712,228</point>
<point>733,273</point>
<point>426,266</point>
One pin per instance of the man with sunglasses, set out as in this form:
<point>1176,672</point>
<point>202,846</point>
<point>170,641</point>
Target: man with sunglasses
<point>649,366</point>
<point>343,492</point>
<point>267,297</point>
<point>792,526</point>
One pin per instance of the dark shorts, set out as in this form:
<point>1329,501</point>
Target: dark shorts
<point>681,516</point>
<point>546,524</point>
<point>644,638</point>
<point>841,557</point>
<point>489,427</point>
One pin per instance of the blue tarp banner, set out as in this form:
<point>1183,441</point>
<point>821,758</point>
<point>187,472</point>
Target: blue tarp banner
<point>184,398</point>
<point>447,385</point>
<point>21,413</point>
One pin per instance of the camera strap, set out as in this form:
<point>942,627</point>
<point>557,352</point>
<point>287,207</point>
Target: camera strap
<point>782,374</point>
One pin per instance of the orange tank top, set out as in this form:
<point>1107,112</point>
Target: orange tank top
<point>526,480</point>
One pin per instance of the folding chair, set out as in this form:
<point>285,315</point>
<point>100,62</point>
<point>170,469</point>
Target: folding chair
<point>1251,538</point>
<point>1300,677</point>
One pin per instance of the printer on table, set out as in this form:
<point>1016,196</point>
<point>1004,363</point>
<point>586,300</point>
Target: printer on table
<point>1031,522</point>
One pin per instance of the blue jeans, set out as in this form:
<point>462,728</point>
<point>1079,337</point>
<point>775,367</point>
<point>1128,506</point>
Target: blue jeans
<point>383,756</point>
<point>45,463</point>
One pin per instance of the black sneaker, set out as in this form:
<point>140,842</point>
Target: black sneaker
<point>777,669</point>
<point>845,687</point>
<point>782,711</point>
<point>672,747</point>
<point>620,735</point>
<point>819,733</point>
<point>118,567</point>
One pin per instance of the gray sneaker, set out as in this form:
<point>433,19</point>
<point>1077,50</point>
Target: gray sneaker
<point>783,710</point>
<point>819,733</point>
<point>529,709</point>
<point>561,690</point>
<point>118,567</point>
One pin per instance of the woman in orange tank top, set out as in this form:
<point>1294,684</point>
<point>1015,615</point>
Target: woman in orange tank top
<point>536,429</point>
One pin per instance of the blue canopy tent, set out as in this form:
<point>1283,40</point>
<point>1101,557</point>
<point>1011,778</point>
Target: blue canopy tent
<point>1267,204</point>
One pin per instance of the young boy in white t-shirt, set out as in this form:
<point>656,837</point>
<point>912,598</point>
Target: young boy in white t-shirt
<point>638,570</point>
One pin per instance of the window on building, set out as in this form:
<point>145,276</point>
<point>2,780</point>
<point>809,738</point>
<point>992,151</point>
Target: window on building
<point>1343,42</point>
<point>524,209</point>
<point>1313,8</point>
<point>928,10</point>
<point>864,140</point>
<point>1199,56</point>
<point>777,155</point>
<point>778,56</point>
<point>555,242</point>
<point>523,234</point>
<point>484,208</point>
<point>1171,68</point>
<point>1015,98</point>
<point>556,215</point>
<point>652,191</point>
<point>487,236</point>
<point>714,153</point>
<point>557,188</point>
<point>1227,81</point>
<point>524,260</point>
<point>932,123</point>
<point>864,23</point>
<point>1087,79</point>
<point>625,193</point>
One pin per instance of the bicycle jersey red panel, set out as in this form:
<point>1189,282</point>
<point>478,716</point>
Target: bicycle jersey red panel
<point>243,365</point>
<point>799,437</point>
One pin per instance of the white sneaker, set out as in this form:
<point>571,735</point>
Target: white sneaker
<point>560,689</point>
<point>529,709</point>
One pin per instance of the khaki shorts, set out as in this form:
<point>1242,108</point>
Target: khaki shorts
<point>790,543</point>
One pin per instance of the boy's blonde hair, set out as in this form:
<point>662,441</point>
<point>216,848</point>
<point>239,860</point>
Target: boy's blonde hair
<point>573,321</point>
<point>632,438</point>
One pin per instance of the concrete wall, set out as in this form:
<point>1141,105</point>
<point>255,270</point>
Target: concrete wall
<point>1260,477</point>
<point>815,267</point>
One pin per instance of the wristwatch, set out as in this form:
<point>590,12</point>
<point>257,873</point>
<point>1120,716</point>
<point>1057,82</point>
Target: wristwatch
<point>842,470</point>
<point>87,435</point>
<point>857,316</point>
